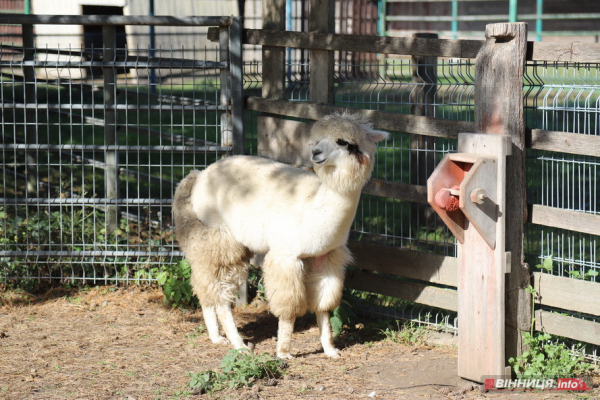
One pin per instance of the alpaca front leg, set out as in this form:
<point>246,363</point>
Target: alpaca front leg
<point>228,323</point>
<point>324,285</point>
<point>284,337</point>
<point>212,325</point>
<point>327,335</point>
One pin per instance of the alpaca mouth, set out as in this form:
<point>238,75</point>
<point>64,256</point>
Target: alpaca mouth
<point>320,162</point>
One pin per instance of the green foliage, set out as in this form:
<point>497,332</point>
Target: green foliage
<point>342,315</point>
<point>408,333</point>
<point>547,358</point>
<point>70,229</point>
<point>175,282</point>
<point>239,368</point>
<point>546,265</point>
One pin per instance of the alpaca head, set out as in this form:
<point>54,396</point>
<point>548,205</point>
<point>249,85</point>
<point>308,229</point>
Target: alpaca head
<point>343,151</point>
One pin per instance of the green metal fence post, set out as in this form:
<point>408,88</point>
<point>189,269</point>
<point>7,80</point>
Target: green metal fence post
<point>512,10</point>
<point>538,22</point>
<point>454,18</point>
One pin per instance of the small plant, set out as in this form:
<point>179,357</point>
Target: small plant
<point>175,282</point>
<point>544,357</point>
<point>547,358</point>
<point>239,368</point>
<point>546,265</point>
<point>409,334</point>
<point>342,315</point>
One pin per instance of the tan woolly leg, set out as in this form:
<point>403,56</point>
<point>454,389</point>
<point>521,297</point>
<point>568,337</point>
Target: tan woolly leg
<point>284,337</point>
<point>327,335</point>
<point>212,325</point>
<point>228,323</point>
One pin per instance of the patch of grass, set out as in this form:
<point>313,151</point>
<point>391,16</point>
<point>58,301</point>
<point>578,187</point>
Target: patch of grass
<point>239,368</point>
<point>408,333</point>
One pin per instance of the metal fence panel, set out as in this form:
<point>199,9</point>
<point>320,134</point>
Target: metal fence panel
<point>92,148</point>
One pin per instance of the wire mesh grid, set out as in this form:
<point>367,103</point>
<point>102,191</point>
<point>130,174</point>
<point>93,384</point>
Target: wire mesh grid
<point>564,97</point>
<point>87,135</point>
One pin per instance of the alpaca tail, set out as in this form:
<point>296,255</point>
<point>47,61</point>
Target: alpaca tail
<point>186,221</point>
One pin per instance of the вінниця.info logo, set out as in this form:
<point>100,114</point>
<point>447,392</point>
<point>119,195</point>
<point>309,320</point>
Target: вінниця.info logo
<point>576,384</point>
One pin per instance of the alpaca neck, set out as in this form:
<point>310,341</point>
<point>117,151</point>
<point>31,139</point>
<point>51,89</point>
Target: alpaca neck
<point>339,210</point>
<point>345,181</point>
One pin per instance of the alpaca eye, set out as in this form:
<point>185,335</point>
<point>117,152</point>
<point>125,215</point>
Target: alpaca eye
<point>341,142</point>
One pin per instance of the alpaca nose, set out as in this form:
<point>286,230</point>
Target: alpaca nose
<point>317,155</point>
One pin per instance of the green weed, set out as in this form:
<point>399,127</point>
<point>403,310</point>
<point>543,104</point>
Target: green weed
<point>239,368</point>
<point>408,333</point>
<point>546,357</point>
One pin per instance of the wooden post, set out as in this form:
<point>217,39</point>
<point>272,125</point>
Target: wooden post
<point>321,61</point>
<point>424,72</point>
<point>499,110</point>
<point>237,95</point>
<point>30,125</point>
<point>273,15</point>
<point>111,158</point>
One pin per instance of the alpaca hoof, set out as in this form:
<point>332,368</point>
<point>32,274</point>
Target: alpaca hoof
<point>219,340</point>
<point>285,356</point>
<point>333,353</point>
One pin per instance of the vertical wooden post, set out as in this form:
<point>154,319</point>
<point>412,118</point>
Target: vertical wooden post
<point>30,125</point>
<point>111,157</point>
<point>237,96</point>
<point>273,16</point>
<point>424,75</point>
<point>321,20</point>
<point>499,110</point>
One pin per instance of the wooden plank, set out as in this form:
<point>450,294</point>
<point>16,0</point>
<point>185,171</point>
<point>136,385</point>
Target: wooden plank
<point>273,84</point>
<point>284,140</point>
<point>396,190</point>
<point>562,325</point>
<point>406,263</point>
<point>564,142</point>
<point>494,336</point>
<point>321,20</point>
<point>363,43</point>
<point>381,120</point>
<point>564,52</point>
<point>567,293</point>
<point>428,295</point>
<point>565,219</point>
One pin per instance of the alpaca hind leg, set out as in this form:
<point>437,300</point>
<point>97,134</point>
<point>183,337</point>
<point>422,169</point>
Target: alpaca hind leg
<point>212,325</point>
<point>324,285</point>
<point>326,335</point>
<point>228,324</point>
<point>286,293</point>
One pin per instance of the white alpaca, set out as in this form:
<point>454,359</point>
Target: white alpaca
<point>300,220</point>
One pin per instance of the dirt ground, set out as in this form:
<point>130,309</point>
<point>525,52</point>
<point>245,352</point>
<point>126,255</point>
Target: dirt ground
<point>123,343</point>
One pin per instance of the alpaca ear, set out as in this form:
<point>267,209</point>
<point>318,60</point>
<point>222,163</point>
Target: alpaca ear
<point>377,136</point>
